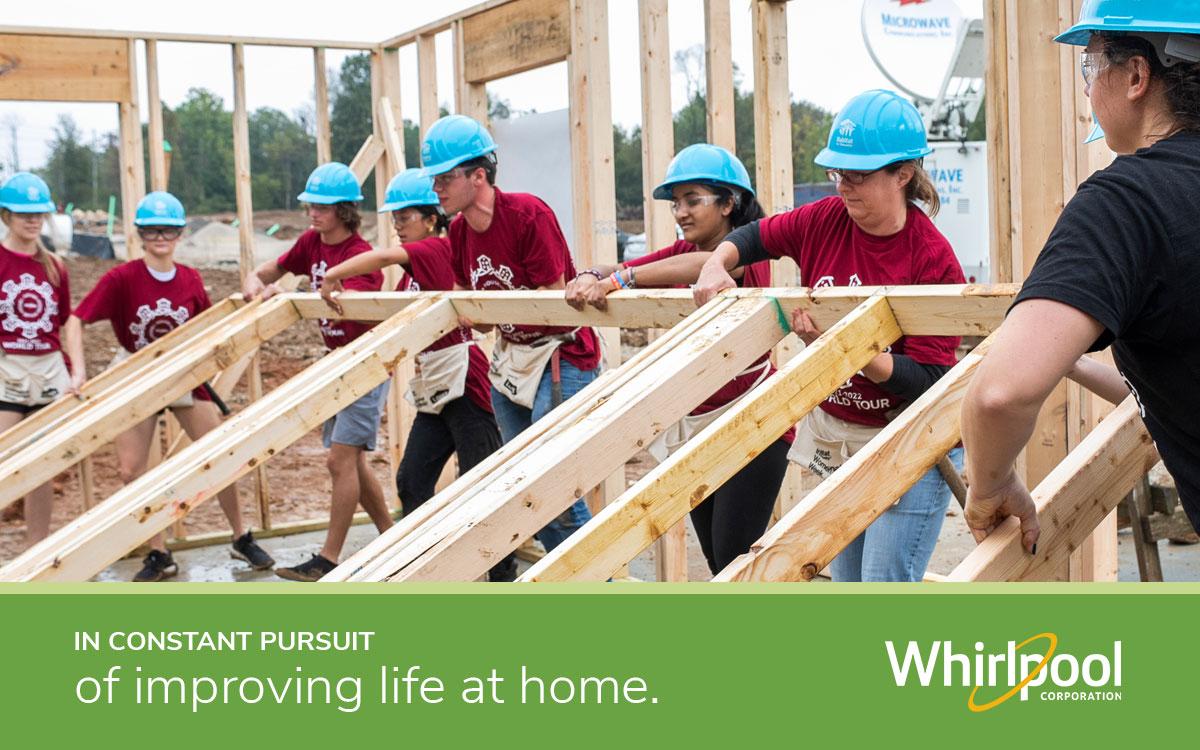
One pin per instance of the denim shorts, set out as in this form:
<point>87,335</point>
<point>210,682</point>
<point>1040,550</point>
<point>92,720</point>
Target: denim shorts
<point>358,423</point>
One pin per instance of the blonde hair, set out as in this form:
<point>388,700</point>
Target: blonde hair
<point>50,262</point>
<point>920,189</point>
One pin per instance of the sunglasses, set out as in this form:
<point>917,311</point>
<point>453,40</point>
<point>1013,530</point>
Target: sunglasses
<point>160,233</point>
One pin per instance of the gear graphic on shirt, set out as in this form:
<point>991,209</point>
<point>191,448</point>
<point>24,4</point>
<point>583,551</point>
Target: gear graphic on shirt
<point>484,268</point>
<point>28,306</point>
<point>316,274</point>
<point>154,323</point>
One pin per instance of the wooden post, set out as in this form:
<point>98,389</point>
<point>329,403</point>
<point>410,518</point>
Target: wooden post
<point>390,88</point>
<point>158,159</point>
<point>470,99</point>
<point>427,81</point>
<point>321,88</point>
<point>133,176</point>
<point>718,73</point>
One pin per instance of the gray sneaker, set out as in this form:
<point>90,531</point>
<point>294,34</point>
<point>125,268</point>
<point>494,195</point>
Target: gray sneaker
<point>245,548</point>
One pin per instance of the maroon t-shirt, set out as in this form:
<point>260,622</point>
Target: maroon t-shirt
<point>143,309</point>
<point>831,250</point>
<point>312,258</point>
<point>429,269</point>
<point>756,275</point>
<point>31,308</point>
<point>523,248</point>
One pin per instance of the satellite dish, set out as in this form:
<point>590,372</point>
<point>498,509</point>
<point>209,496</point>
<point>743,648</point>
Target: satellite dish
<point>912,42</point>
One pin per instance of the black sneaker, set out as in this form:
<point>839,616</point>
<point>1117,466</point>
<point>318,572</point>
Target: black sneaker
<point>245,548</point>
<point>308,572</point>
<point>156,567</point>
<point>504,571</point>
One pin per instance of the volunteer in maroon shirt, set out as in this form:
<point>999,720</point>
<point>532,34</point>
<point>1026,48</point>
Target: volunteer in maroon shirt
<point>450,390</point>
<point>872,232</point>
<point>145,299</point>
<point>35,300</point>
<point>511,241</point>
<point>711,195</point>
<point>330,197</point>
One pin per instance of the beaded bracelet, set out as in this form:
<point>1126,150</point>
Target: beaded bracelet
<point>590,272</point>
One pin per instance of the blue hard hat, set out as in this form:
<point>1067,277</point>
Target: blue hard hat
<point>331,183</point>
<point>412,187</point>
<point>874,129</point>
<point>160,209</point>
<point>705,163</point>
<point>452,140</point>
<point>26,193</point>
<point>1132,16</point>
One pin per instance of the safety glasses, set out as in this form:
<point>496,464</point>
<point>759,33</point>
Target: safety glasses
<point>160,233</point>
<point>1090,66</point>
<point>692,202</point>
<point>836,176</point>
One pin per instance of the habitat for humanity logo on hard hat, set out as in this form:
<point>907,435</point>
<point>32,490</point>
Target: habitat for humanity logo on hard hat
<point>996,676</point>
<point>845,133</point>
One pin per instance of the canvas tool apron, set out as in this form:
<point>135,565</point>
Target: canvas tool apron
<point>517,369</point>
<point>33,380</point>
<point>824,442</point>
<point>441,377</point>
<point>673,438</point>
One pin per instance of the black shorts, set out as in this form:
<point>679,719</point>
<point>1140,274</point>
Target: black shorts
<point>20,408</point>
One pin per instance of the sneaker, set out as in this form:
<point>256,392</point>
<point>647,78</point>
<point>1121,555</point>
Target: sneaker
<point>157,566</point>
<point>504,571</point>
<point>245,548</point>
<point>308,572</point>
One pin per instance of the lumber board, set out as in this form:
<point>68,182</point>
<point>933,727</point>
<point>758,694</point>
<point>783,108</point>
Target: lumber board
<point>427,83</point>
<point>929,310</point>
<point>48,67</point>
<point>515,37</point>
<point>529,495</point>
<point>122,375</point>
<point>368,154</point>
<point>441,24</point>
<point>718,73</point>
<point>321,104</point>
<point>176,487</point>
<point>772,107</point>
<point>389,86</point>
<point>808,537</point>
<point>115,409</point>
<point>154,128</point>
<point>666,494</point>
<point>470,99</point>
<point>241,165</point>
<point>658,130</point>
<point>133,175</point>
<point>1072,500</point>
<point>163,36</point>
<point>391,544</point>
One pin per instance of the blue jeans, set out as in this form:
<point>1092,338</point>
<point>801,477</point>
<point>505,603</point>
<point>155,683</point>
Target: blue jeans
<point>513,418</point>
<point>898,545</point>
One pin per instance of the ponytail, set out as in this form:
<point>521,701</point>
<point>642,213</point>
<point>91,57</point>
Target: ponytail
<point>50,262</point>
<point>920,188</point>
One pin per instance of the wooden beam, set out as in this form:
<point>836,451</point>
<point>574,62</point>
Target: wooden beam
<point>470,99</point>
<point>121,376</point>
<point>52,67</point>
<point>427,83</point>
<point>321,92</point>
<point>999,135</point>
<point>158,159</point>
<point>845,504</point>
<point>927,310</point>
<point>1073,499</point>
<point>664,496</point>
<point>463,546</point>
<point>515,37</point>
<point>772,106</point>
<point>658,131</point>
<point>133,175</point>
<point>258,41</point>
<point>389,68</point>
<point>241,165</point>
<point>366,158</point>
<point>442,24</point>
<point>176,487</point>
<point>112,411</point>
<point>376,557</point>
<point>718,75</point>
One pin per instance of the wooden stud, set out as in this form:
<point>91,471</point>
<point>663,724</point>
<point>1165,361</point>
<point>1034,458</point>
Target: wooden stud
<point>366,158</point>
<point>514,37</point>
<point>133,176</point>
<point>389,87</point>
<point>241,165</point>
<point>1072,500</point>
<point>87,482</point>
<point>321,90</point>
<point>664,496</point>
<point>262,488</point>
<point>266,41</point>
<point>845,504</point>
<point>158,158</point>
<point>135,513</point>
<point>470,99</point>
<point>658,131</point>
<point>996,84</point>
<point>427,89</point>
<point>46,67</point>
<point>718,74</point>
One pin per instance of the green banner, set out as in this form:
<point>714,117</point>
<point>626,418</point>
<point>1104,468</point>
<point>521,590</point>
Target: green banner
<point>594,665</point>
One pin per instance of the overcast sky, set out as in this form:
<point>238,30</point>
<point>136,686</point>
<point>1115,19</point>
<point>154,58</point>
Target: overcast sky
<point>828,62</point>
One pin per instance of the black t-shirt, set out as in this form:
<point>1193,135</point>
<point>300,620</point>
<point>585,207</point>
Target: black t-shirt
<point>1126,251</point>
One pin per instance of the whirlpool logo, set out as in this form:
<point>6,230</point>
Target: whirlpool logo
<point>996,676</point>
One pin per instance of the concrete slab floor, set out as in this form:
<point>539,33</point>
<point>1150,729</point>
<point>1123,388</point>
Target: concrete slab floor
<point>214,565</point>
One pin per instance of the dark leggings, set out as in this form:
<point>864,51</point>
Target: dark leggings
<point>736,515</point>
<point>462,427</point>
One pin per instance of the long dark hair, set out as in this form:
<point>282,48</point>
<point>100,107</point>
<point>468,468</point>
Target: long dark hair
<point>1181,81</point>
<point>441,222</point>
<point>746,207</point>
